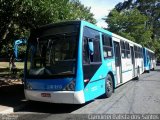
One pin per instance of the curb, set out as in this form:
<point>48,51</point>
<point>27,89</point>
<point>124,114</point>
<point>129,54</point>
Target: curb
<point>9,110</point>
<point>6,110</point>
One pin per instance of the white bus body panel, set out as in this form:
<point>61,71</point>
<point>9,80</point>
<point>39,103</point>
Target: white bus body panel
<point>70,97</point>
<point>128,71</point>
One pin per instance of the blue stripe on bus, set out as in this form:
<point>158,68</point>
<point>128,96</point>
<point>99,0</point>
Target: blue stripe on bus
<point>79,76</point>
<point>94,89</point>
<point>97,80</point>
<point>101,48</point>
<point>48,84</point>
<point>96,86</point>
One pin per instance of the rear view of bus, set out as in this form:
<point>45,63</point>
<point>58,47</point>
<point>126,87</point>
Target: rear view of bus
<point>51,71</point>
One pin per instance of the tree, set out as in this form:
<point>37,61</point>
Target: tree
<point>28,14</point>
<point>130,24</point>
<point>79,12</point>
<point>150,8</point>
<point>138,21</point>
<point>19,16</point>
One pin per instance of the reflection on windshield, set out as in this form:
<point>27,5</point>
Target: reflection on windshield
<point>53,55</point>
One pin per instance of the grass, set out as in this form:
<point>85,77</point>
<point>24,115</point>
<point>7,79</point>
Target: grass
<point>19,65</point>
<point>7,78</point>
<point>5,71</point>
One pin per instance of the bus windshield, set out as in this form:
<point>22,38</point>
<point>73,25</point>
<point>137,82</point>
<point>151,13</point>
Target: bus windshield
<point>52,55</point>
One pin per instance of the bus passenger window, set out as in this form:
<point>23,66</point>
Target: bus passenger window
<point>97,54</point>
<point>107,46</point>
<point>123,51</point>
<point>91,46</point>
<point>91,50</point>
<point>136,51</point>
<point>85,51</point>
<point>127,50</point>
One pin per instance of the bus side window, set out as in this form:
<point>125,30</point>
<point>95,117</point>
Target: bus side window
<point>123,51</point>
<point>141,54</point>
<point>85,51</point>
<point>127,50</point>
<point>91,50</point>
<point>107,46</point>
<point>96,54</point>
<point>135,51</point>
<point>91,46</point>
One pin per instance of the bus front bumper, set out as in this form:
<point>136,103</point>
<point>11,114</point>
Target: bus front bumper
<point>68,97</point>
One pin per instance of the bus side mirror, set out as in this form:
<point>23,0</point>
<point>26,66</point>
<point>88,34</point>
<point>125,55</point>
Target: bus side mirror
<point>91,46</point>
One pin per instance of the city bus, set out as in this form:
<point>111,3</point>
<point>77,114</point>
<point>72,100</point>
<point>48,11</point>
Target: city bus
<point>75,62</point>
<point>149,60</point>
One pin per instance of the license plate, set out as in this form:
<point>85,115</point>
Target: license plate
<point>45,94</point>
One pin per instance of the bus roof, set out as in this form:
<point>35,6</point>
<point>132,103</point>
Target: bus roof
<point>85,23</point>
<point>124,39</point>
<point>110,33</point>
<point>148,49</point>
<point>60,23</point>
<point>82,22</point>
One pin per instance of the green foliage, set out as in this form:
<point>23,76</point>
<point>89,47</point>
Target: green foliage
<point>130,24</point>
<point>79,12</point>
<point>19,16</point>
<point>138,21</point>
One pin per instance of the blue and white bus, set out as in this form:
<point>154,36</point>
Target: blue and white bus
<point>149,60</point>
<point>74,62</point>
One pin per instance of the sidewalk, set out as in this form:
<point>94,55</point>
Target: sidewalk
<point>11,96</point>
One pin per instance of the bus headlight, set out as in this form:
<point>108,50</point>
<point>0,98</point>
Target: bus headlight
<point>70,86</point>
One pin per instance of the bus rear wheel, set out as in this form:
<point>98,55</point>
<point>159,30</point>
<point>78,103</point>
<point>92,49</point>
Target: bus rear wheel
<point>108,86</point>
<point>148,71</point>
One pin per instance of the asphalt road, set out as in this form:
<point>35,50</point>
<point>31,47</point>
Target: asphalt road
<point>133,97</point>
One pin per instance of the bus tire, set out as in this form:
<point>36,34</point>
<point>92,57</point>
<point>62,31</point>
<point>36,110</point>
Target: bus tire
<point>108,86</point>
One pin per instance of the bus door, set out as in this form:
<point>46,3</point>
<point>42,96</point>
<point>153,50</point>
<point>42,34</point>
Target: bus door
<point>133,62</point>
<point>118,64</point>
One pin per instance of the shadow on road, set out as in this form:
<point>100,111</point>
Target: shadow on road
<point>11,95</point>
<point>157,70</point>
<point>41,107</point>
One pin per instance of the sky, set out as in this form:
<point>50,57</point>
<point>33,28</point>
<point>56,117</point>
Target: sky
<point>100,9</point>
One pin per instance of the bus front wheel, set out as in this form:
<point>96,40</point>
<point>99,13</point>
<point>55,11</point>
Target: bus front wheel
<point>108,86</point>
